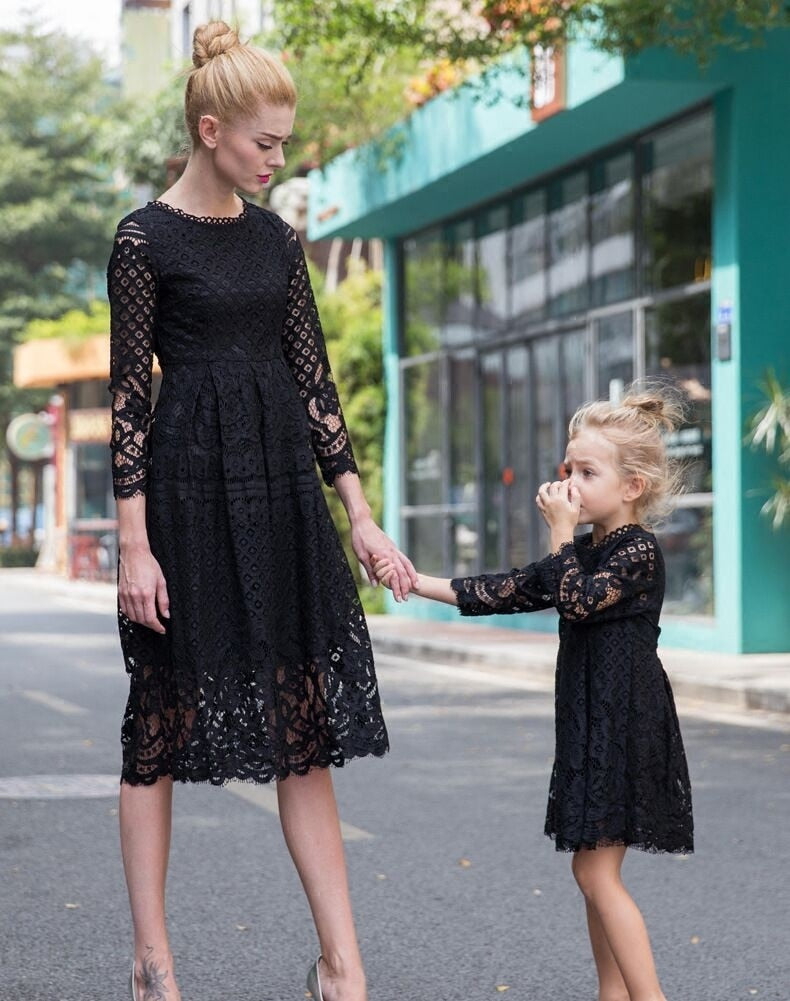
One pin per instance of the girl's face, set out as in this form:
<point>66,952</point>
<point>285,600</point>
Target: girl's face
<point>248,151</point>
<point>591,464</point>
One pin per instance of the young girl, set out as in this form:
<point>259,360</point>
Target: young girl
<point>620,777</point>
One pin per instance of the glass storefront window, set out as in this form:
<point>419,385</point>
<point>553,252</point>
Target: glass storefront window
<point>677,187</point>
<point>612,229</point>
<point>492,266</point>
<point>519,492</point>
<point>494,297</point>
<point>423,409</point>
<point>493,500</point>
<point>459,318</point>
<point>528,254</point>
<point>677,348</point>
<point>686,541</point>
<point>425,542</point>
<point>422,286</point>
<point>568,244</point>
<point>614,341</point>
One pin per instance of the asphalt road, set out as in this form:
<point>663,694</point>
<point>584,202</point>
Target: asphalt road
<point>458,895</point>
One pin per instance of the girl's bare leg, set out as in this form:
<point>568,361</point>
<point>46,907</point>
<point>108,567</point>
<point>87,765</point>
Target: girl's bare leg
<point>598,874</point>
<point>611,986</point>
<point>311,826</point>
<point>145,814</point>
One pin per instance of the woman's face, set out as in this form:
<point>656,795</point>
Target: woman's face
<point>249,150</point>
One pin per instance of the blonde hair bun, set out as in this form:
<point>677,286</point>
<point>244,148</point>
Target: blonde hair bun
<point>212,40</point>
<point>660,408</point>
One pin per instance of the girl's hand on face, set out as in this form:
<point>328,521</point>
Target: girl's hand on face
<point>559,503</point>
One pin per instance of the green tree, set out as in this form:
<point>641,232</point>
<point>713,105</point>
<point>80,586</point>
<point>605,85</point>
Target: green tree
<point>351,318</point>
<point>769,431</point>
<point>58,201</point>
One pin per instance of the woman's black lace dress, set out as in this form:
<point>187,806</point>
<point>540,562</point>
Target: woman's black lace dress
<point>620,773</point>
<point>266,666</point>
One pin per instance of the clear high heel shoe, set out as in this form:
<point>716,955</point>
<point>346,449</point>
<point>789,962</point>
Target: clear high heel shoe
<point>314,981</point>
<point>132,990</point>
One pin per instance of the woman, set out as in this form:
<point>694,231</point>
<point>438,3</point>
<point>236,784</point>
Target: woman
<point>242,632</point>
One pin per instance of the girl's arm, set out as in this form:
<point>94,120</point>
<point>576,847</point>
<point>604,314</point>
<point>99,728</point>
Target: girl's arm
<point>518,590</point>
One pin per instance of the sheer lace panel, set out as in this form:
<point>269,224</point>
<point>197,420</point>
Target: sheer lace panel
<point>131,285</point>
<point>502,593</point>
<point>305,352</point>
<point>625,585</point>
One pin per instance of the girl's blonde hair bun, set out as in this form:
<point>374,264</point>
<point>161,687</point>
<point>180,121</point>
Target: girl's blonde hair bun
<point>212,40</point>
<point>657,404</point>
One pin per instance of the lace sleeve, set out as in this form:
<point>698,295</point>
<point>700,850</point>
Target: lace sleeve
<point>131,286</point>
<point>305,352</point>
<point>503,593</point>
<point>624,586</point>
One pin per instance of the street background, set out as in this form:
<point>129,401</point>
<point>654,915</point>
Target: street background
<point>457,893</point>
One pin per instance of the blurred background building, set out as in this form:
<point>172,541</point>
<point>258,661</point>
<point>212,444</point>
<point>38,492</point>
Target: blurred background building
<point>624,225</point>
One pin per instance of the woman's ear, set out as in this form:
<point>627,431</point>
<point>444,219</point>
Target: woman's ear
<point>634,488</point>
<point>208,130</point>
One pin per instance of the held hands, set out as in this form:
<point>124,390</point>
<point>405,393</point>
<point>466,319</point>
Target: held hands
<point>141,588</point>
<point>371,544</point>
<point>385,572</point>
<point>559,503</point>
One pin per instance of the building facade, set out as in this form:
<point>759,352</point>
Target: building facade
<point>625,225</point>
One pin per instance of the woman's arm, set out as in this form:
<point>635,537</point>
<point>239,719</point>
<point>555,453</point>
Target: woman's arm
<point>132,291</point>
<point>367,538</point>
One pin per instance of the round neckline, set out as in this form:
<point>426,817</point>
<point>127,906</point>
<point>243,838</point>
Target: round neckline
<point>216,220</point>
<point>615,532</point>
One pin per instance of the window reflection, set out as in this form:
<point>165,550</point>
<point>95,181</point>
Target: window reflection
<point>687,545</point>
<point>568,245</point>
<point>422,398</point>
<point>518,486</point>
<point>676,203</point>
<point>491,374</point>
<point>492,283</point>
<point>677,347</point>
<point>612,229</point>
<point>614,337</point>
<point>425,542</point>
<point>422,281</point>
<point>463,465</point>
<point>460,299</point>
<point>528,252</point>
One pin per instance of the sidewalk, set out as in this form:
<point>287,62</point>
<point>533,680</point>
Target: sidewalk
<point>731,681</point>
<point>728,681</point>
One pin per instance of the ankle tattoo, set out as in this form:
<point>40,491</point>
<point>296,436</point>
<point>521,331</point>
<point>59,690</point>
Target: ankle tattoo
<point>153,977</point>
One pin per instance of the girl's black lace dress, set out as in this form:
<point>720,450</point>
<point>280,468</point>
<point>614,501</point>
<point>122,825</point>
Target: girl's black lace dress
<point>266,666</point>
<point>620,774</point>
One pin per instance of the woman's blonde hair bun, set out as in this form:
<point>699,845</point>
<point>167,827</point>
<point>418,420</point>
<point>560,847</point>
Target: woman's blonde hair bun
<point>231,79</point>
<point>212,40</point>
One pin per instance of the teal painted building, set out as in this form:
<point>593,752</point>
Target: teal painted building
<point>531,265</point>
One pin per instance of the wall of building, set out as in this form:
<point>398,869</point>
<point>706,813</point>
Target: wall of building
<point>457,153</point>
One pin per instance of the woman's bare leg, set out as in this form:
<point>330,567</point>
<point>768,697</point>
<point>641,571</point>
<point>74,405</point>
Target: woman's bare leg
<point>598,874</point>
<point>145,814</point>
<point>308,813</point>
<point>611,986</point>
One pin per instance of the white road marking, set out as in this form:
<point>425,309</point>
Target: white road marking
<point>65,641</point>
<point>53,702</point>
<point>265,797</point>
<point>59,786</point>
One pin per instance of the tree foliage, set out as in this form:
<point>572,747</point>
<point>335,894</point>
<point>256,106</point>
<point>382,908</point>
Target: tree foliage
<point>58,203</point>
<point>358,50</point>
<point>351,319</point>
<point>769,431</point>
